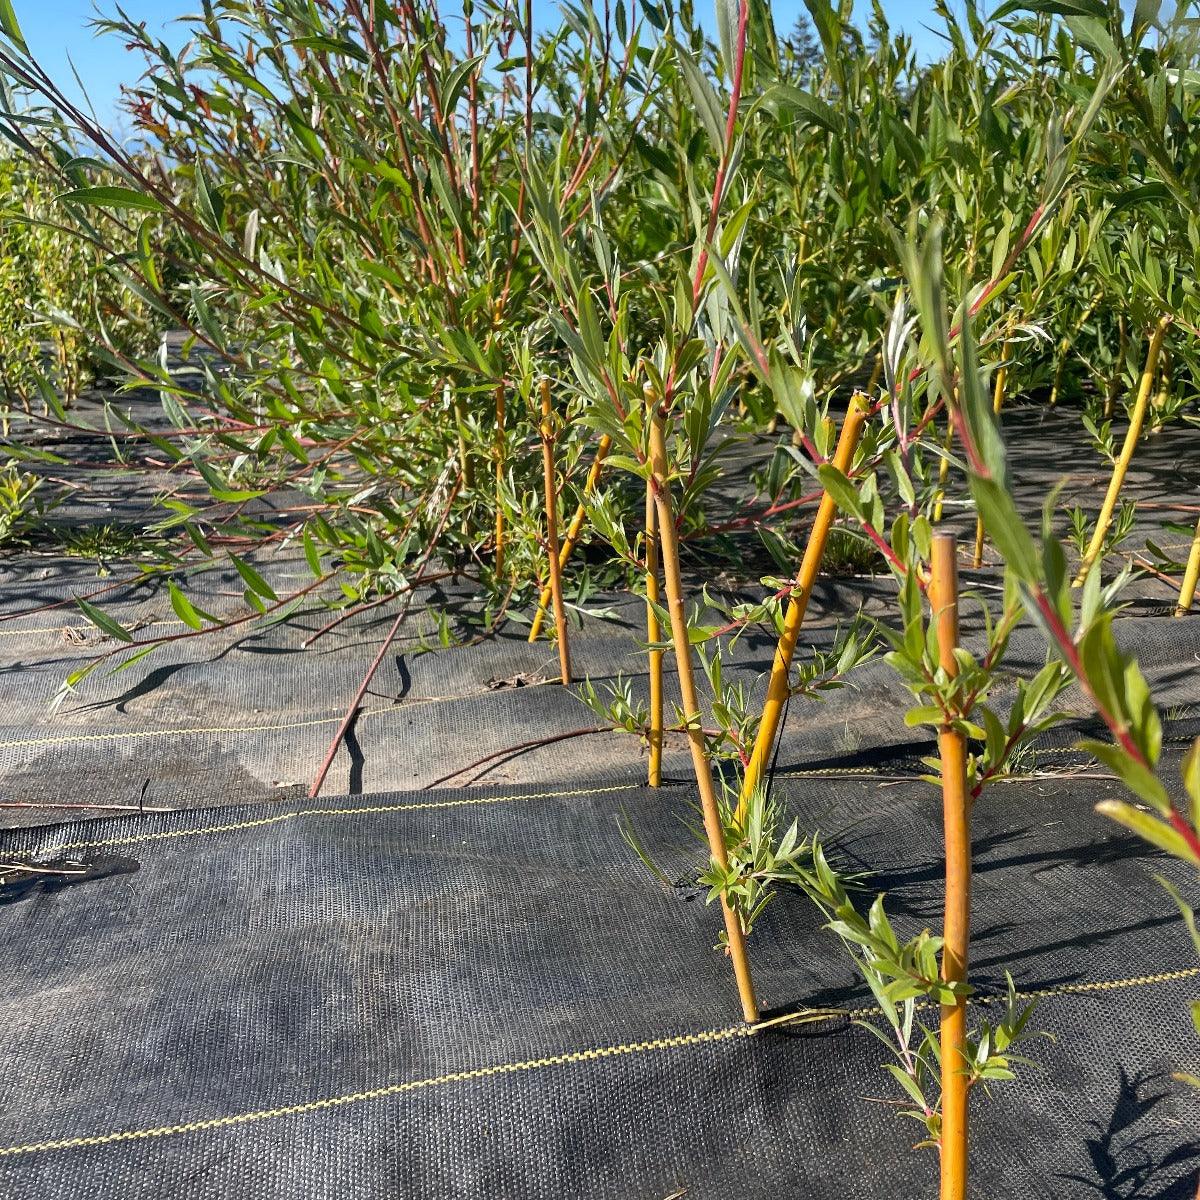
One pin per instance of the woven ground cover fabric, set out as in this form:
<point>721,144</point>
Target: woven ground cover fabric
<point>243,717</point>
<point>482,993</point>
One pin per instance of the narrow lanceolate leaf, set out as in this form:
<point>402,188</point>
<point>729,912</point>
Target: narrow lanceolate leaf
<point>185,610</point>
<point>1191,782</point>
<point>253,580</point>
<point>312,555</point>
<point>805,106</point>
<point>1058,8</point>
<point>1149,828</point>
<point>111,197</point>
<point>704,96</point>
<point>12,30</point>
<point>1141,782</point>
<point>842,490</point>
<point>106,624</point>
<point>1005,527</point>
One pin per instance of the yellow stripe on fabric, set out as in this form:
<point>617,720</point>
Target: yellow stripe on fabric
<point>365,810</point>
<point>570,1058</point>
<point>396,1089</point>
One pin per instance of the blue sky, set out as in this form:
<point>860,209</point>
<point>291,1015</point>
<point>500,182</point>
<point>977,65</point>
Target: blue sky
<point>58,32</point>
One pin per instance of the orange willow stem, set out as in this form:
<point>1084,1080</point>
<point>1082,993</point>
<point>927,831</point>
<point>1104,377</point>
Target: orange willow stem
<point>778,687</point>
<point>573,532</point>
<point>552,548</point>
<point>713,827</point>
<point>1137,419</point>
<point>1191,577</point>
<point>653,636</point>
<point>499,450</point>
<point>943,594</point>
<point>997,405</point>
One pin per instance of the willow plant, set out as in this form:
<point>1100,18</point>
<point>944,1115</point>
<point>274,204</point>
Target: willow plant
<point>956,835</point>
<point>735,937</point>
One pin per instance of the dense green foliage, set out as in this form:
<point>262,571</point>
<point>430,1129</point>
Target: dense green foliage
<point>377,220</point>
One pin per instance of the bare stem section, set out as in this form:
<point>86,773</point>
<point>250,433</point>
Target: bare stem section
<point>1191,576</point>
<point>713,827</point>
<point>653,636</point>
<point>553,564</point>
<point>573,532</point>
<point>943,593</point>
<point>810,566</point>
<point>1136,421</point>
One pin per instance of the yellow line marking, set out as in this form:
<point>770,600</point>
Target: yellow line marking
<point>810,1015</point>
<point>121,735</point>
<point>572,1058</point>
<point>368,810</point>
<point>406,706</point>
<point>396,1089</point>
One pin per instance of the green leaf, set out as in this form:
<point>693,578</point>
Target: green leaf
<point>106,624</point>
<point>1057,8</point>
<point>253,580</point>
<point>146,255</point>
<point>311,554</point>
<point>111,197</point>
<point>1190,771</point>
<point>184,609</point>
<point>806,106</point>
<point>844,493</point>
<point>1005,527</point>
<point>1090,32</point>
<point>136,657</point>
<point>12,30</point>
<point>907,1083</point>
<point>1142,783</point>
<point>704,96</point>
<point>1149,828</point>
<point>1185,910</point>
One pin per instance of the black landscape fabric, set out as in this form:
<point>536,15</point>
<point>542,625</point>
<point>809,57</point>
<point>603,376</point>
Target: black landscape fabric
<point>481,993</point>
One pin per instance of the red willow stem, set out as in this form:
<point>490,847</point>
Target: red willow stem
<point>221,626</point>
<point>735,99</point>
<point>352,711</point>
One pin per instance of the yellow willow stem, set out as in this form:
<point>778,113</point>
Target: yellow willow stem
<point>552,549</point>
<point>778,687</point>
<point>943,471</point>
<point>499,450</point>
<point>573,532</point>
<point>956,931</point>
<point>1104,520</point>
<point>997,405</point>
<point>653,636</point>
<point>1191,576</point>
<point>1162,397</point>
<point>713,827</point>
